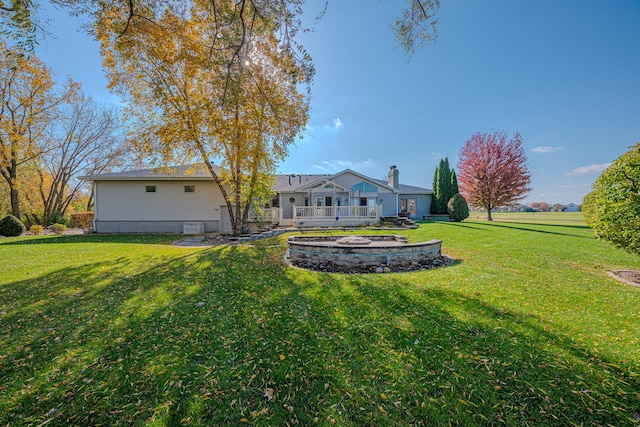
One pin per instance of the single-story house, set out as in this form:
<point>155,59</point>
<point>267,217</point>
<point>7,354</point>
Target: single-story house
<point>166,199</point>
<point>572,207</point>
<point>514,208</point>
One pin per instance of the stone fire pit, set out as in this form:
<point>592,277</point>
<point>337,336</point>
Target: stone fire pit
<point>362,253</point>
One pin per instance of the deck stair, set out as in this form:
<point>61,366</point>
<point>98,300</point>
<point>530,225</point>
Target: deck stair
<point>400,221</point>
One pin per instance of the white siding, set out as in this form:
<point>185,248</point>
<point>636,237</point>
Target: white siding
<point>128,200</point>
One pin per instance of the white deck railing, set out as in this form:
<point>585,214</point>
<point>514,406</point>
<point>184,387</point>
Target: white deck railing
<point>269,215</point>
<point>324,212</point>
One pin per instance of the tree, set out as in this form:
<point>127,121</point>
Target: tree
<point>200,89</point>
<point>85,140</point>
<point>612,208</point>
<point>458,208</point>
<point>416,25</point>
<point>442,187</point>
<point>492,170</point>
<point>28,105</point>
<point>454,183</point>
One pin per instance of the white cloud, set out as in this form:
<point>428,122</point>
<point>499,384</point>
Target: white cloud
<point>577,186</point>
<point>584,170</point>
<point>546,149</point>
<point>335,125</point>
<point>332,166</point>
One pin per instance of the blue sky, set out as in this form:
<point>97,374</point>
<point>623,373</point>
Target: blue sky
<point>565,74</point>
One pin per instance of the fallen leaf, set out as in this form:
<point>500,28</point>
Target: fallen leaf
<point>268,393</point>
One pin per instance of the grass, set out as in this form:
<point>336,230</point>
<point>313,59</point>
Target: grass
<point>128,330</point>
<point>556,218</point>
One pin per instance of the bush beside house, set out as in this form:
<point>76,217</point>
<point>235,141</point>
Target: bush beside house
<point>82,220</point>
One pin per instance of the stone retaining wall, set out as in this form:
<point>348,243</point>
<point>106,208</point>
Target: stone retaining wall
<point>384,249</point>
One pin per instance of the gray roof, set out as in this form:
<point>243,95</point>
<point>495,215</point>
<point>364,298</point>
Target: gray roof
<point>196,171</point>
<point>291,182</point>
<point>408,189</point>
<point>283,183</point>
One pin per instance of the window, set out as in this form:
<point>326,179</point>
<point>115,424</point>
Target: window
<point>150,188</point>
<point>189,188</point>
<point>408,206</point>
<point>364,187</point>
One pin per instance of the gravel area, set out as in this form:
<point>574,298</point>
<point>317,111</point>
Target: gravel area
<point>630,277</point>
<point>397,267</point>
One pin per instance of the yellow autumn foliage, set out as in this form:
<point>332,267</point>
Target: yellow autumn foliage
<point>210,81</point>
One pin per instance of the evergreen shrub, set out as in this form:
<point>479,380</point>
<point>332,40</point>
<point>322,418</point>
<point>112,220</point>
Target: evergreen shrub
<point>11,226</point>
<point>458,208</point>
<point>58,218</point>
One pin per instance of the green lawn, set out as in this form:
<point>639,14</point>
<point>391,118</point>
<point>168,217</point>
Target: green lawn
<point>526,330</point>
<point>557,218</point>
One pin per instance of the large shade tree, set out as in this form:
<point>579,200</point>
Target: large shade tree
<point>86,139</point>
<point>213,81</point>
<point>492,170</point>
<point>612,208</point>
<point>415,25</point>
<point>182,60</point>
<point>28,106</point>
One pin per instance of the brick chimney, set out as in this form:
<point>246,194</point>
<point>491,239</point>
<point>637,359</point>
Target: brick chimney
<point>393,177</point>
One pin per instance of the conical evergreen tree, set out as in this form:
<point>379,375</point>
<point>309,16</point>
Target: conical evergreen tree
<point>441,188</point>
<point>445,186</point>
<point>434,198</point>
<point>454,183</point>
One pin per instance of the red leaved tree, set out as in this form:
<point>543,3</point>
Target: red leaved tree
<point>492,170</point>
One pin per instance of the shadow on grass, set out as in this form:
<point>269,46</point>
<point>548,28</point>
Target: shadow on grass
<point>544,224</point>
<point>92,238</point>
<point>522,226</point>
<point>230,335</point>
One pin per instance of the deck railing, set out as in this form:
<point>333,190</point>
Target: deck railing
<point>269,215</point>
<point>325,212</point>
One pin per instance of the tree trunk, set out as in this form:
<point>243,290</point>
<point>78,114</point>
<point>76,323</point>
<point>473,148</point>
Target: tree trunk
<point>90,201</point>
<point>489,215</point>
<point>15,203</point>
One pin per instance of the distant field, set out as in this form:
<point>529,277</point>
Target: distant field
<point>564,218</point>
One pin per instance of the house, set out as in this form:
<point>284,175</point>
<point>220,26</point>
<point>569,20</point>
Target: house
<point>170,199</point>
<point>515,208</point>
<point>572,207</point>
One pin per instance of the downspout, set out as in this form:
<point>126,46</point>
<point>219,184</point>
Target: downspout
<point>397,201</point>
<point>95,204</point>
